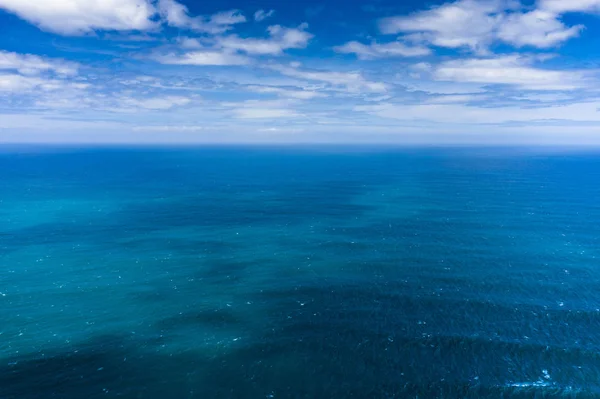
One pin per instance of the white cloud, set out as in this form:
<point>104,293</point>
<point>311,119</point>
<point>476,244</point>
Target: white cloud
<point>38,123</point>
<point>376,50</point>
<point>563,6</point>
<point>77,17</point>
<point>538,28</point>
<point>28,64</point>
<point>280,130</point>
<point>476,24</point>
<point>352,81</point>
<point>465,23</point>
<point>226,50</point>
<point>157,103</point>
<point>377,98</point>
<point>264,113</point>
<point>286,93</point>
<point>228,18</point>
<point>281,39</point>
<point>437,87</point>
<point>203,57</point>
<point>168,128</point>
<point>66,97</point>
<point>418,70</point>
<point>17,84</point>
<point>60,96</point>
<point>510,70</point>
<point>545,97</point>
<point>59,104</point>
<point>177,15</point>
<point>189,43</point>
<point>472,115</point>
<point>472,90</point>
<point>455,99</point>
<point>174,13</point>
<point>260,109</point>
<point>261,15</point>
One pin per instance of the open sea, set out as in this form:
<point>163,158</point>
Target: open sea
<point>300,273</point>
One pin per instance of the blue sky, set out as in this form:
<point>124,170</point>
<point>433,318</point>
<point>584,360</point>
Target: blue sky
<point>265,71</point>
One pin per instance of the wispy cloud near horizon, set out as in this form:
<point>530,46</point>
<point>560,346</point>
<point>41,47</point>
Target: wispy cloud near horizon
<point>418,73</point>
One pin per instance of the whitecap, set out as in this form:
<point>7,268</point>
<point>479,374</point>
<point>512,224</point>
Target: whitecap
<point>536,384</point>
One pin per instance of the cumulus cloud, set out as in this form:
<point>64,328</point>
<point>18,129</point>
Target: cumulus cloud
<point>280,39</point>
<point>203,57</point>
<point>77,17</point>
<point>18,84</point>
<point>476,24</point>
<point>563,6</point>
<point>177,15</point>
<point>465,84</point>
<point>465,23</point>
<point>377,50</point>
<point>261,15</point>
<point>538,28</point>
<point>230,49</point>
<point>29,64</point>
<point>22,73</point>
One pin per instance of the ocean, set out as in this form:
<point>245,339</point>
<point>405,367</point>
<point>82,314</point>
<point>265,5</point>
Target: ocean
<point>299,272</point>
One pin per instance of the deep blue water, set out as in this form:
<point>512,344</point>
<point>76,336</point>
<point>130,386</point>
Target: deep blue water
<point>299,273</point>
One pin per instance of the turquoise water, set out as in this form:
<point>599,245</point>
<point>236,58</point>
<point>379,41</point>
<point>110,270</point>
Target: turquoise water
<point>298,273</point>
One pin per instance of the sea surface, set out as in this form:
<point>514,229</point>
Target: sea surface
<point>308,272</point>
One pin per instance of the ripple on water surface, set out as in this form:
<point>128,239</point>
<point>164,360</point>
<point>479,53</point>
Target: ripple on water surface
<point>266,273</point>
